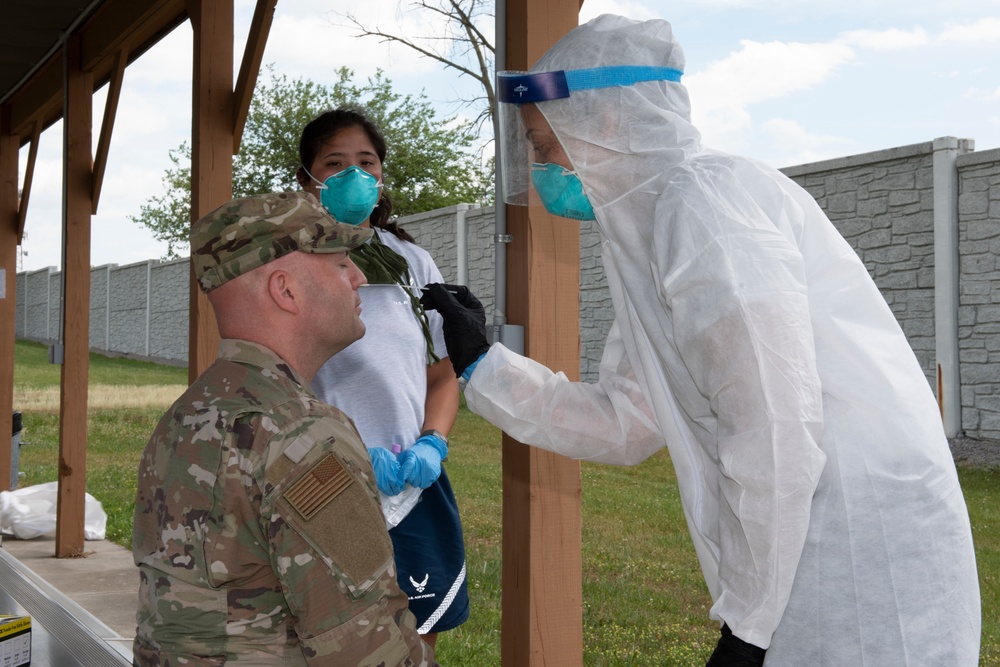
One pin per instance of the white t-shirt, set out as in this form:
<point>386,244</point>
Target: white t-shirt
<point>380,381</point>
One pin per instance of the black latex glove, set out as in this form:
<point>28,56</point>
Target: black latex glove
<point>731,651</point>
<point>464,322</point>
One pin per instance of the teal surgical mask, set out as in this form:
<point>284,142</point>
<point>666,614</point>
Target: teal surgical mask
<point>350,195</point>
<point>561,191</point>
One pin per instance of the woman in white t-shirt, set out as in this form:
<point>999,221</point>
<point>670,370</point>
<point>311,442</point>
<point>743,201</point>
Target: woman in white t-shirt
<point>396,382</point>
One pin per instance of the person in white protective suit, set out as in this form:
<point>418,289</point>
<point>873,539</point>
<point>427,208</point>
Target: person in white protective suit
<point>749,339</point>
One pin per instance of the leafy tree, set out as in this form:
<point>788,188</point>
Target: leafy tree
<point>430,162</point>
<point>168,216</point>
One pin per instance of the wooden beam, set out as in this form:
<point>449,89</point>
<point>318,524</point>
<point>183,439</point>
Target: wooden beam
<point>118,26</point>
<point>8,294</point>
<point>77,180</point>
<point>253,54</point>
<point>108,125</point>
<point>542,603</point>
<point>29,173</point>
<point>211,152</point>
<point>132,26</point>
<point>38,101</point>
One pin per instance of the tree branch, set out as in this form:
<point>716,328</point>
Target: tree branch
<point>466,40</point>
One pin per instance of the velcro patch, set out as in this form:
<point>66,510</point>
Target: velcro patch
<point>319,486</point>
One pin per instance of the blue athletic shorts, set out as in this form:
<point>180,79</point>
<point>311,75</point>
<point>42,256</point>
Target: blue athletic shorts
<point>430,560</point>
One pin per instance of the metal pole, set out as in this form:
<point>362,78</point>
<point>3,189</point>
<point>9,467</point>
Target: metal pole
<point>513,340</point>
<point>462,243</point>
<point>107,309</point>
<point>149,300</point>
<point>946,283</point>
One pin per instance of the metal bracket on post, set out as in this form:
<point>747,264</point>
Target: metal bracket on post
<point>57,353</point>
<point>510,335</point>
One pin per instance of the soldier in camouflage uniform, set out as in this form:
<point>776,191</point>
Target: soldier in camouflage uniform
<point>258,532</point>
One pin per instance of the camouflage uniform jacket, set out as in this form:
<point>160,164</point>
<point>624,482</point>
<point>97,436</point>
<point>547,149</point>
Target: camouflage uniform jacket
<point>258,532</point>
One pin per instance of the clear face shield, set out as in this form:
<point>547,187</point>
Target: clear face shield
<point>525,156</point>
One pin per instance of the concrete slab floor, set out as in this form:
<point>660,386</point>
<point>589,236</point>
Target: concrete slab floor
<point>104,580</point>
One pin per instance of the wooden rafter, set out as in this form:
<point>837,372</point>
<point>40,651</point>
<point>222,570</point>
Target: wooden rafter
<point>130,26</point>
<point>108,124</point>
<point>253,54</point>
<point>29,172</point>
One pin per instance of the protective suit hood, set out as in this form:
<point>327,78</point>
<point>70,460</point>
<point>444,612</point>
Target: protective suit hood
<point>620,138</point>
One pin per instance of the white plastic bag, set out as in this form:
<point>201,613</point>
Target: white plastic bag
<point>31,512</point>
<point>395,508</point>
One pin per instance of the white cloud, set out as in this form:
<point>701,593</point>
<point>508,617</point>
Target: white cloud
<point>309,47</point>
<point>633,10</point>
<point>885,40</point>
<point>983,94</point>
<point>725,93</point>
<point>724,128</point>
<point>793,144</point>
<point>167,64</point>
<point>984,31</point>
<point>763,71</point>
<point>722,93</point>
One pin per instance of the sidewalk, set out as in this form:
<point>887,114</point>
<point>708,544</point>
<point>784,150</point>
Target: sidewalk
<point>104,582</point>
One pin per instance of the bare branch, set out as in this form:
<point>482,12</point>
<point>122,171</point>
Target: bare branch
<point>463,42</point>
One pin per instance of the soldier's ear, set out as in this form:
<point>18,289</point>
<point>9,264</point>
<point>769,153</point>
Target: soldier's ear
<point>283,290</point>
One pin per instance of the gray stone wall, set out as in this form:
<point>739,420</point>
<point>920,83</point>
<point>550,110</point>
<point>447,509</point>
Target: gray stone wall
<point>436,231</point>
<point>138,310</point>
<point>168,323</point>
<point>979,295</point>
<point>100,310</point>
<point>596,311</point>
<point>127,331</point>
<point>37,311</point>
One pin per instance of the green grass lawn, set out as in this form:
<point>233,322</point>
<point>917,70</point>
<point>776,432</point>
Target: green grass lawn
<point>644,599</point>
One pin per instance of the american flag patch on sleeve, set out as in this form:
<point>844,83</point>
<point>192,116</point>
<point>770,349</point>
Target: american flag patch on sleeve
<point>319,486</point>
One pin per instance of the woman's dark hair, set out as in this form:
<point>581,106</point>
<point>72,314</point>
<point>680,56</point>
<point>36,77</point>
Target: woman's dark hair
<point>326,125</point>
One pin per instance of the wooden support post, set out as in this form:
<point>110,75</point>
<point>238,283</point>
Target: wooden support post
<point>8,295</point>
<point>211,151</point>
<point>77,205</point>
<point>542,606</point>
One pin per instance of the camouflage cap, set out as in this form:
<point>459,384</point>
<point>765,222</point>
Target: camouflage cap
<point>247,233</point>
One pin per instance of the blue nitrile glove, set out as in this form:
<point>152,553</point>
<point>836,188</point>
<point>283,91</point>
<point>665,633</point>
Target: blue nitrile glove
<point>386,467</point>
<point>420,465</point>
<point>467,373</point>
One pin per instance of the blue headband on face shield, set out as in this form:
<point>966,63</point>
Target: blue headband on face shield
<point>521,88</point>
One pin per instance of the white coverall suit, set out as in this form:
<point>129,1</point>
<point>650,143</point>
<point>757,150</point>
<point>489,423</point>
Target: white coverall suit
<point>749,339</point>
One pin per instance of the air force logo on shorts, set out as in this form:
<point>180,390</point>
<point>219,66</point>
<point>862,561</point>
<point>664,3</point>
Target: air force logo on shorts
<point>420,586</point>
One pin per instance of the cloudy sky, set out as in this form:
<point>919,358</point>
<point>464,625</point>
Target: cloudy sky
<point>785,81</point>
